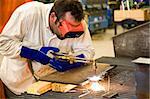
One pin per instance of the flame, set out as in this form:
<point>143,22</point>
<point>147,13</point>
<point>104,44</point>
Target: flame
<point>95,85</point>
<point>94,78</point>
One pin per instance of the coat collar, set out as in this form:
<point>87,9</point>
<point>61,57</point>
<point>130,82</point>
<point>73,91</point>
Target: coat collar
<point>49,7</point>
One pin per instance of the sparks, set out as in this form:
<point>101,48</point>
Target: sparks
<point>94,78</point>
<point>95,85</point>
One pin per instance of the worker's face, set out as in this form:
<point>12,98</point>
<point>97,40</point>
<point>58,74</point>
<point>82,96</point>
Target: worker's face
<point>66,27</point>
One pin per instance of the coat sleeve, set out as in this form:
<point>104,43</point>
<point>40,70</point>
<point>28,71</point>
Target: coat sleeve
<point>83,44</point>
<point>12,35</point>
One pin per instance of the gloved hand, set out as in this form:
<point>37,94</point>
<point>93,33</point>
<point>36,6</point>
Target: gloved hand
<point>48,50</point>
<point>62,65</point>
<point>39,56</point>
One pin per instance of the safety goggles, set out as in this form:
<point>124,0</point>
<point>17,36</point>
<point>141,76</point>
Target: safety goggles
<point>69,30</point>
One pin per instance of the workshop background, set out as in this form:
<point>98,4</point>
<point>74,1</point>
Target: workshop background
<point>112,22</point>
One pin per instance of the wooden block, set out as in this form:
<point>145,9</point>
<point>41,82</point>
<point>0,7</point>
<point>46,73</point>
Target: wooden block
<point>39,87</point>
<point>58,87</point>
<point>135,14</point>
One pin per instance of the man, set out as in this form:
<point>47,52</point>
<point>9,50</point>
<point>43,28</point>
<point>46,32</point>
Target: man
<point>35,29</point>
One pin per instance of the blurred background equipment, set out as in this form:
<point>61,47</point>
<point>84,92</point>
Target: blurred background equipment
<point>8,6</point>
<point>6,9</point>
<point>99,14</point>
<point>132,13</point>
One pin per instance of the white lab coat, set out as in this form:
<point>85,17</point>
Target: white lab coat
<point>28,26</point>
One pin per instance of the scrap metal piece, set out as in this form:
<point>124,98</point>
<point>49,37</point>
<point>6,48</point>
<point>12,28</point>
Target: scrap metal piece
<point>110,94</point>
<point>84,94</point>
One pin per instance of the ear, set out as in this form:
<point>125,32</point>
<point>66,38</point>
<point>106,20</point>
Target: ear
<point>53,17</point>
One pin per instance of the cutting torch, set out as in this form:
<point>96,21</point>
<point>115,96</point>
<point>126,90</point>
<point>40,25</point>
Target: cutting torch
<point>71,58</point>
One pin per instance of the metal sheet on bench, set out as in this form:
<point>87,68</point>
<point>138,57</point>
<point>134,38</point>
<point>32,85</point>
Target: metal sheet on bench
<point>77,75</point>
<point>119,61</point>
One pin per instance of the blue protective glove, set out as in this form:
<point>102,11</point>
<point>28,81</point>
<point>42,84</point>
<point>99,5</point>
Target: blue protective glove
<point>63,65</point>
<point>39,56</point>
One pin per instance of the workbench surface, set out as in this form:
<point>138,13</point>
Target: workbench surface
<point>122,82</point>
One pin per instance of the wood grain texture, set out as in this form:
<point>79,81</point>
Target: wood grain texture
<point>39,87</point>
<point>58,87</point>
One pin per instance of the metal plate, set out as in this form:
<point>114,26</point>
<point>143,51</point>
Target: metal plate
<point>133,43</point>
<point>77,75</point>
